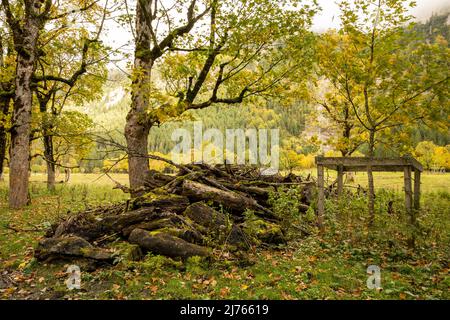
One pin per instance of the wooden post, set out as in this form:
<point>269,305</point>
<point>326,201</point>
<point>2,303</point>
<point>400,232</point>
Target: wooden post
<point>340,180</point>
<point>408,189</point>
<point>321,199</point>
<point>416,189</point>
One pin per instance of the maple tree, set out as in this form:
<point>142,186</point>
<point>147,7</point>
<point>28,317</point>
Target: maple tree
<point>381,77</point>
<point>219,53</point>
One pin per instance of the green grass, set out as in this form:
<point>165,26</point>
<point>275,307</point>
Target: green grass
<point>383,180</point>
<point>391,180</point>
<point>332,266</point>
<point>77,179</point>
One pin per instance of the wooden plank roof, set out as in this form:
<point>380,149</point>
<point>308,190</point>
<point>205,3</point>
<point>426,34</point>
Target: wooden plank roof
<point>361,163</point>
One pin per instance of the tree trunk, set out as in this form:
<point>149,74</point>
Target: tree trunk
<point>346,133</point>
<point>25,42</point>
<point>20,132</point>
<point>166,244</point>
<point>4,108</point>
<point>370,180</point>
<point>229,199</point>
<point>47,139</point>
<point>137,124</point>
<point>66,175</point>
<point>137,143</point>
<point>49,158</point>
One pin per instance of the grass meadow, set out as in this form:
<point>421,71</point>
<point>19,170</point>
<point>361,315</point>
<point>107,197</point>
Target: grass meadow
<point>308,267</point>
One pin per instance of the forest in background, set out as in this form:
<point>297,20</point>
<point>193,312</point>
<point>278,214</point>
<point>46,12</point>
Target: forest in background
<point>305,129</point>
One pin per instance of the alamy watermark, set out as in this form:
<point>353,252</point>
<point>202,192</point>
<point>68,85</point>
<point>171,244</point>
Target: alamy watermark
<point>74,279</point>
<point>374,280</point>
<point>235,146</point>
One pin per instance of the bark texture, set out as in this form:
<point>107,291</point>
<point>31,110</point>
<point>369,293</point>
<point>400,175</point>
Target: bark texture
<point>4,109</point>
<point>25,35</point>
<point>50,159</point>
<point>148,49</point>
<point>138,125</point>
<point>370,182</point>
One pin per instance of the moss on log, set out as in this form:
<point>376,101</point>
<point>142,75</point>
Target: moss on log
<point>229,199</point>
<point>165,244</point>
<point>206,216</point>
<point>162,200</point>
<point>264,231</point>
<point>54,248</point>
<point>176,217</point>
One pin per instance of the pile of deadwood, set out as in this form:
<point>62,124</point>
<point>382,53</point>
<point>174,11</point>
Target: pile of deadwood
<point>199,210</point>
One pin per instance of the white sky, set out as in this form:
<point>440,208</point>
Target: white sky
<point>328,17</point>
